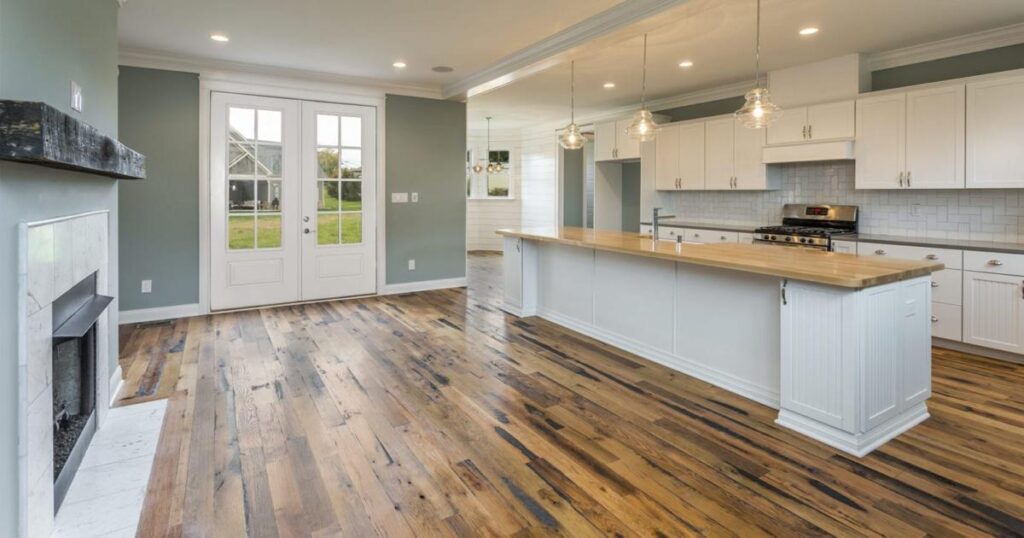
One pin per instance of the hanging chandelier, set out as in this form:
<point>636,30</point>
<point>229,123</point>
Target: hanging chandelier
<point>759,111</point>
<point>493,167</point>
<point>571,137</point>
<point>643,127</point>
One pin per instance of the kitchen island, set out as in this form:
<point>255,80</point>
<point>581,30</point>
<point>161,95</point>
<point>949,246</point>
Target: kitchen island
<point>840,344</point>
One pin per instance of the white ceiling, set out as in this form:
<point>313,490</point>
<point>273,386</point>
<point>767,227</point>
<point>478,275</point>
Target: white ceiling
<point>357,38</point>
<point>718,36</point>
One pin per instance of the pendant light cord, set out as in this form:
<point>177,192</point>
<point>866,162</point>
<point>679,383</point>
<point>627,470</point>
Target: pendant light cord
<point>757,48</point>
<point>643,77</point>
<point>572,92</point>
<point>488,141</point>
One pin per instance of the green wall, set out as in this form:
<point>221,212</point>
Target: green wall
<point>572,187</point>
<point>703,110</point>
<point>631,197</point>
<point>159,116</point>
<point>425,143</point>
<point>964,65</point>
<point>44,45</point>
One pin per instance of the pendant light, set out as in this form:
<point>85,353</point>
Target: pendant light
<point>759,111</point>
<point>492,166</point>
<point>643,127</point>
<point>571,137</point>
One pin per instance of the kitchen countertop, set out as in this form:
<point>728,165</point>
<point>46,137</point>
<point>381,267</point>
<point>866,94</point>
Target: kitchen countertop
<point>835,269</point>
<point>935,242</point>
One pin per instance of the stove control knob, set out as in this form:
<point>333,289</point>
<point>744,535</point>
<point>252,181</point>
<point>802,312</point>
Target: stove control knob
<point>788,239</point>
<point>772,238</point>
<point>803,239</point>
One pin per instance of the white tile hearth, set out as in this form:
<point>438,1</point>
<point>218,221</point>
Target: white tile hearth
<point>108,492</point>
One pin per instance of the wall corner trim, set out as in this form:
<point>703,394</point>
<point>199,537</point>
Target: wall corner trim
<point>160,313</point>
<point>423,285</point>
<point>116,381</point>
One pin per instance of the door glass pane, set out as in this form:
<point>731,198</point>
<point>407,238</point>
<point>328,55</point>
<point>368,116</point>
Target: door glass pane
<point>351,163</point>
<point>269,126</point>
<point>327,229</point>
<point>241,196</point>
<point>268,157</point>
<point>242,123</point>
<point>327,196</point>
<point>351,131</point>
<point>268,196</point>
<point>327,158</point>
<point>241,232</point>
<point>326,130</point>
<point>351,228</point>
<point>241,158</point>
<point>351,196</point>
<point>268,231</point>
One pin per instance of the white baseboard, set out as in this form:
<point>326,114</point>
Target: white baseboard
<point>160,313</point>
<point>116,381</point>
<point>763,395</point>
<point>423,285</point>
<point>962,347</point>
<point>859,445</point>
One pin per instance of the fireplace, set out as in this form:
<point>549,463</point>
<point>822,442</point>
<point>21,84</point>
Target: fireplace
<point>74,379</point>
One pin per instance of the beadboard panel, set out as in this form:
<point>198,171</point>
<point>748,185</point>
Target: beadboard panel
<point>983,215</point>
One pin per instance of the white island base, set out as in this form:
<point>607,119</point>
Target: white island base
<point>848,367</point>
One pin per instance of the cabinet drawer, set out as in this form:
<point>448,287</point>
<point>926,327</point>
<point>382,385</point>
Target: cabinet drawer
<point>711,236</point>
<point>645,229</point>
<point>665,232</point>
<point>994,262</point>
<point>950,257</point>
<point>947,286</point>
<point>743,237</point>
<point>845,247</point>
<point>947,322</point>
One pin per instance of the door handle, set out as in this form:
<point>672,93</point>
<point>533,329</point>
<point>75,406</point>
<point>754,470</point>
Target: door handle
<point>935,284</point>
<point>901,179</point>
<point>908,178</point>
<point>804,132</point>
<point>308,231</point>
<point>932,256</point>
<point>934,319</point>
<point>996,263</point>
<point>810,131</point>
<point>880,252</point>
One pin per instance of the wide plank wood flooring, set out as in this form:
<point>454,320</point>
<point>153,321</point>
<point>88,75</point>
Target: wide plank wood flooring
<point>435,414</point>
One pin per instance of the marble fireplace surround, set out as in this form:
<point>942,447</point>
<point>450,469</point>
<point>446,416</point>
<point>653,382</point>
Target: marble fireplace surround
<point>53,256</point>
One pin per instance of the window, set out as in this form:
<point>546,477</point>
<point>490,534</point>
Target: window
<point>340,189</point>
<point>254,178</point>
<point>496,183</point>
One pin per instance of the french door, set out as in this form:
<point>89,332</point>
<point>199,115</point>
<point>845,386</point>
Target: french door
<point>293,190</point>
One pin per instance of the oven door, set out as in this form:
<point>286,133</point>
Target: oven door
<point>822,248</point>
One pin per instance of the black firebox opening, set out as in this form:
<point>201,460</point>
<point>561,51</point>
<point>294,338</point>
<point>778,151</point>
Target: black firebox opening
<point>74,393</point>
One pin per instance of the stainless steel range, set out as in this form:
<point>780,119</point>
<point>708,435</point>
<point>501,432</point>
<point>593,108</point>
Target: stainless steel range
<point>810,226</point>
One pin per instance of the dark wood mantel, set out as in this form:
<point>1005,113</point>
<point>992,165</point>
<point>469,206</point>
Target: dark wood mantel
<point>37,133</point>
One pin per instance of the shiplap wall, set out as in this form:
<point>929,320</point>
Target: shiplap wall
<point>484,216</point>
<point>539,179</point>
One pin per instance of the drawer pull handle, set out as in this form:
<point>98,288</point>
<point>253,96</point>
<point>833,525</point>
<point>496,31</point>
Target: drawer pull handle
<point>935,284</point>
<point>696,235</point>
<point>723,238</point>
<point>932,256</point>
<point>995,262</point>
<point>880,252</point>
<point>934,319</point>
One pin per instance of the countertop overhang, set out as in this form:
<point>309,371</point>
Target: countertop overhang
<point>830,268</point>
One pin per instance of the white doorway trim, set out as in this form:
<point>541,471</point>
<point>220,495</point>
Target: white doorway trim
<point>289,89</point>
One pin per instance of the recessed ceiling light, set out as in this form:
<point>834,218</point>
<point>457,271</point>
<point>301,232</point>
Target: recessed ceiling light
<point>609,85</point>
<point>686,63</point>
<point>808,31</point>
<point>220,38</point>
<point>400,65</point>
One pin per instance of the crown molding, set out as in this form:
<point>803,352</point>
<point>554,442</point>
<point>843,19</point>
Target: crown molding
<point>954,46</point>
<point>210,68</point>
<point>548,51</point>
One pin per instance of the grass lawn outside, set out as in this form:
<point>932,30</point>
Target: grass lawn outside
<point>244,234</point>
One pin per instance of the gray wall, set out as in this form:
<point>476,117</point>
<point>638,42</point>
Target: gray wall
<point>704,110</point>
<point>572,187</point>
<point>631,197</point>
<point>44,45</point>
<point>964,65</point>
<point>425,143</point>
<point>159,116</point>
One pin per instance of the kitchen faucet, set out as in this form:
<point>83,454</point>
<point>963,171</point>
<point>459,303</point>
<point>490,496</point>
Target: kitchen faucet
<point>654,222</point>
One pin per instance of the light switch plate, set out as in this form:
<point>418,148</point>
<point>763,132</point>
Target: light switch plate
<point>399,197</point>
<point>412,265</point>
<point>76,97</point>
<point>147,286</point>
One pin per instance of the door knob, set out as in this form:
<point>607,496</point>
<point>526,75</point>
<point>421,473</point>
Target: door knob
<point>307,230</point>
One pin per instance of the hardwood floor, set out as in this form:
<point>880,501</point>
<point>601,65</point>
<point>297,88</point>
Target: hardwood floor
<point>435,414</point>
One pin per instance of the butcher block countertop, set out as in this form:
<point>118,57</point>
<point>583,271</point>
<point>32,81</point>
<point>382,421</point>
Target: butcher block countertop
<point>831,268</point>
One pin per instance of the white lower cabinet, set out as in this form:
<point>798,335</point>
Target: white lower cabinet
<point>946,321</point>
<point>845,247</point>
<point>519,276</point>
<point>744,237</point>
<point>992,311</point>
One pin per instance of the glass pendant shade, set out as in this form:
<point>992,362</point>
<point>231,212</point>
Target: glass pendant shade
<point>477,168</point>
<point>571,137</point>
<point>643,127</point>
<point>759,111</point>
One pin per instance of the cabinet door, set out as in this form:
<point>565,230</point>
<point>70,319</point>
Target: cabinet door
<point>719,153</point>
<point>512,262</point>
<point>691,156</point>
<point>748,159</point>
<point>935,138</point>
<point>845,247</point>
<point>666,159</point>
<point>831,121</point>
<point>790,128</point>
<point>629,148</point>
<point>604,141</point>
<point>995,129</point>
<point>992,311</point>
<point>881,141</point>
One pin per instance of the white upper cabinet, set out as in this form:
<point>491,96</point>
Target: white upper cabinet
<point>995,133</point>
<point>666,161</point>
<point>719,153</point>
<point>816,123</point>
<point>628,147</point>
<point>881,141</point>
<point>604,141</point>
<point>935,138</point>
<point>691,156</point>
<point>749,170</point>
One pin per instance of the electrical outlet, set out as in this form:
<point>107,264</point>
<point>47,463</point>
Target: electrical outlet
<point>147,286</point>
<point>76,97</point>
<point>415,197</point>
<point>412,265</point>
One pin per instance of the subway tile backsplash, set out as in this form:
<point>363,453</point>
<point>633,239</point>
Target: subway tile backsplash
<point>983,215</point>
